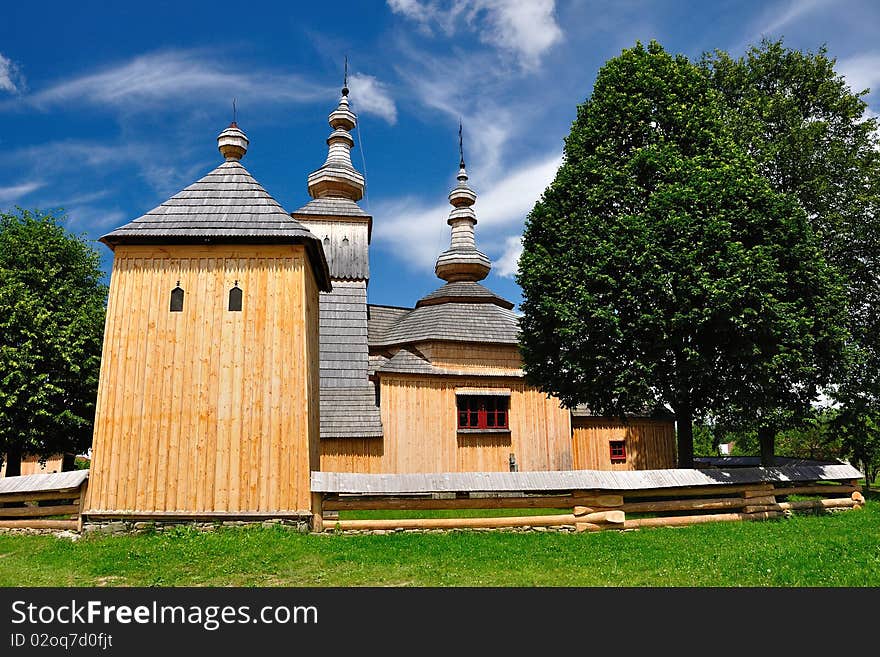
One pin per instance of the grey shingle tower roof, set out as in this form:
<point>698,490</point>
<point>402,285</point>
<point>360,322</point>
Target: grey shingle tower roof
<point>348,398</point>
<point>226,206</point>
<point>451,321</point>
<point>462,310</point>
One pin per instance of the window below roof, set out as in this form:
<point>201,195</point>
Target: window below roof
<point>618,451</point>
<point>176,305</point>
<point>235,296</point>
<point>483,412</point>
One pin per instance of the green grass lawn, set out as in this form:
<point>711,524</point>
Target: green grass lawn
<point>841,549</point>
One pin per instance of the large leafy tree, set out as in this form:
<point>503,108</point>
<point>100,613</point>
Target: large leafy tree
<point>811,138</point>
<point>661,268</point>
<point>51,325</point>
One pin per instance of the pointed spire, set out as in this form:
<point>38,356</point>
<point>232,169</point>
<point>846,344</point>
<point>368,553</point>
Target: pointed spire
<point>232,142</point>
<point>462,261</point>
<point>337,176</point>
<point>460,147</point>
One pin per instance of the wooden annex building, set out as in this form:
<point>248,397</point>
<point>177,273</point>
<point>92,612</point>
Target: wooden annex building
<point>241,355</point>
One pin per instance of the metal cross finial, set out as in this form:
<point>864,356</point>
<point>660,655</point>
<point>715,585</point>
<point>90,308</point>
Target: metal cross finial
<point>345,78</point>
<point>460,147</point>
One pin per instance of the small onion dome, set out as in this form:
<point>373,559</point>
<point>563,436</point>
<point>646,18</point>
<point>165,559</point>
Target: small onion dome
<point>232,142</point>
<point>462,195</point>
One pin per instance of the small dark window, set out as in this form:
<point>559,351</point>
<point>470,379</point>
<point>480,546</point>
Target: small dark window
<point>618,450</point>
<point>177,299</point>
<point>482,411</point>
<point>235,298</point>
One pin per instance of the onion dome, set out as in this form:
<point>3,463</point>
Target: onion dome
<point>232,143</point>
<point>337,176</point>
<point>462,261</point>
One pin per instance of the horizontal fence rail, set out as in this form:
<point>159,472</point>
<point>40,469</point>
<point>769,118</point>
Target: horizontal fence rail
<point>592,510</point>
<point>31,502</point>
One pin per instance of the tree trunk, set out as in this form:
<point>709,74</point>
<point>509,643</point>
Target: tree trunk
<point>13,462</point>
<point>685,434</point>
<point>767,440</point>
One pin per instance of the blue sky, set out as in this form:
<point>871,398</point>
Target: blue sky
<point>107,109</point>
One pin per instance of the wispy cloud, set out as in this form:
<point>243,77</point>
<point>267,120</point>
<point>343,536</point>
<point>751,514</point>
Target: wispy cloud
<point>418,231</point>
<point>791,12</point>
<point>372,96</point>
<point>182,76</point>
<point>14,193</point>
<point>525,29</point>
<point>11,78</point>
<point>187,78</point>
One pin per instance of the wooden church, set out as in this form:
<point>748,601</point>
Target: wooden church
<point>240,354</point>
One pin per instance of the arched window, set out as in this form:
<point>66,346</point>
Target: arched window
<point>235,298</point>
<point>177,299</point>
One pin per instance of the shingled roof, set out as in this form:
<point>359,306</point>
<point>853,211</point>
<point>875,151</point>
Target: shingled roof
<point>457,322</point>
<point>226,206</point>
<point>406,362</point>
<point>464,292</point>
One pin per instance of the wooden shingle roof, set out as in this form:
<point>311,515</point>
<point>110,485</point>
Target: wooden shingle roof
<point>464,292</point>
<point>226,206</point>
<point>457,322</point>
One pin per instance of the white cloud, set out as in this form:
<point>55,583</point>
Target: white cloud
<point>793,11</point>
<point>488,123</point>
<point>861,71</point>
<point>16,192</point>
<point>526,29</point>
<point>508,263</point>
<point>182,76</point>
<point>417,232</point>
<point>370,95</point>
<point>11,79</point>
<point>195,77</point>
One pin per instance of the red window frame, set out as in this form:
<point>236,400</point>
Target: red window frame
<point>483,411</point>
<point>617,450</point>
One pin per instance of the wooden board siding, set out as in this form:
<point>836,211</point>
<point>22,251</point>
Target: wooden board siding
<point>650,444</point>
<point>477,357</point>
<point>420,424</point>
<point>31,465</point>
<point>207,410</point>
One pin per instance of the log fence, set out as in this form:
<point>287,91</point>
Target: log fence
<point>43,501</point>
<point>594,510</point>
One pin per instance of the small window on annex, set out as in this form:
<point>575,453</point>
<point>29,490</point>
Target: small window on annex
<point>235,296</point>
<point>618,450</point>
<point>176,305</point>
<point>482,410</point>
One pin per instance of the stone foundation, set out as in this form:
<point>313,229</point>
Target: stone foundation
<point>119,527</point>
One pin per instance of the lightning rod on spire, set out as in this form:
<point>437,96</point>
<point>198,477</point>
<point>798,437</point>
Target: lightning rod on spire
<point>460,147</point>
<point>345,78</point>
<point>234,112</point>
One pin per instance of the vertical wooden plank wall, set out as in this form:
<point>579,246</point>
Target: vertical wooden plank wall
<point>650,444</point>
<point>207,410</point>
<point>420,425</point>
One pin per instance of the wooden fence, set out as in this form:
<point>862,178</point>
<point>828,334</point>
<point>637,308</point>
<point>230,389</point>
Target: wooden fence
<point>43,501</point>
<point>594,510</point>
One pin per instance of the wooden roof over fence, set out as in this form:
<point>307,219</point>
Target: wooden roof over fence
<point>36,483</point>
<point>396,484</point>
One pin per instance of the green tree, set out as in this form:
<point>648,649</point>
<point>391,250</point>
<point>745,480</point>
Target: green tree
<point>51,322</point>
<point>810,137</point>
<point>660,267</point>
